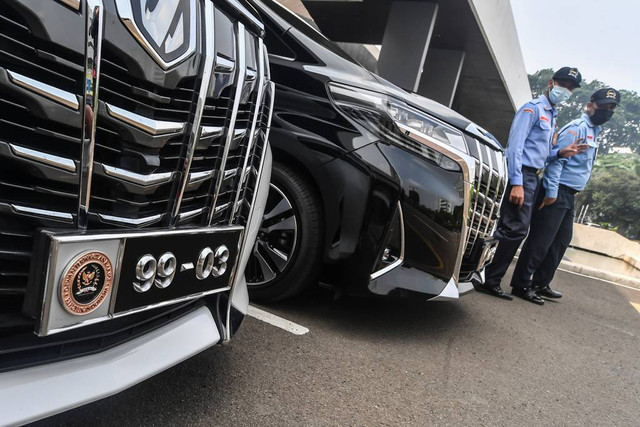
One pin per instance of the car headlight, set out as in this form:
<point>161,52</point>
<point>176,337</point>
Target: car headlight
<point>392,121</point>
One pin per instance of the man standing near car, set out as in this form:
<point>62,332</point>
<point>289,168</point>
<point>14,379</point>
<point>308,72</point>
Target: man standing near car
<point>552,224</point>
<point>528,149</point>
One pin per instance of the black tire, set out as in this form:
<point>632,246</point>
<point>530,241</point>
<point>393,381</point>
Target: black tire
<point>302,267</point>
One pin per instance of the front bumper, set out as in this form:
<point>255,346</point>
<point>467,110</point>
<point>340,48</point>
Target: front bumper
<point>30,394</point>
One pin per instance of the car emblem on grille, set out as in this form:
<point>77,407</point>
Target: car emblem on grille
<point>86,283</point>
<point>166,29</point>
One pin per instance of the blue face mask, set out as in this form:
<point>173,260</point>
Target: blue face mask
<point>559,94</point>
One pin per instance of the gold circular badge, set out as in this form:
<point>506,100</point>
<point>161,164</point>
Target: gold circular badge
<point>86,283</point>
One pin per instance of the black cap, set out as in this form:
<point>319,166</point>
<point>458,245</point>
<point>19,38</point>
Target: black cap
<point>569,73</point>
<point>608,95</point>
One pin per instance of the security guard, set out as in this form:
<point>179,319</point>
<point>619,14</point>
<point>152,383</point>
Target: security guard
<point>528,149</point>
<point>552,225</point>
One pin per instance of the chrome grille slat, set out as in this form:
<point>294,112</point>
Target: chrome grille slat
<point>256,117</point>
<point>63,97</point>
<point>46,158</point>
<point>196,130</point>
<point>137,178</point>
<point>94,10</point>
<point>240,74</point>
<point>151,126</point>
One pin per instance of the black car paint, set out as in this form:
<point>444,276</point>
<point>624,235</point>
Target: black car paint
<point>59,30</point>
<point>361,180</point>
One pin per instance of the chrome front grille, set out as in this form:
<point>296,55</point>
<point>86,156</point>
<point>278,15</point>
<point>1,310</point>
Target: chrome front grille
<point>141,135</point>
<point>488,188</point>
<point>165,153</point>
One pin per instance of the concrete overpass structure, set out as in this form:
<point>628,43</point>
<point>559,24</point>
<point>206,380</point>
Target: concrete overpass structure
<point>462,53</point>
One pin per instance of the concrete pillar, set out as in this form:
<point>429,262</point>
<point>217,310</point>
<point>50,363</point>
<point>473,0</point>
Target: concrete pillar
<point>441,74</point>
<point>405,42</point>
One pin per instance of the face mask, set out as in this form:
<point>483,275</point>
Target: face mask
<point>559,94</point>
<point>601,116</point>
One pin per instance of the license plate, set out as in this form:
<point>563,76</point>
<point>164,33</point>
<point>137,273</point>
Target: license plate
<point>94,277</point>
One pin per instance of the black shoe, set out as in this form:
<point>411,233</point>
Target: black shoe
<point>496,291</point>
<point>527,294</point>
<point>547,292</point>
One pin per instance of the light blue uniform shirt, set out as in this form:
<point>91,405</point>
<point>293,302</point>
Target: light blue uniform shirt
<point>575,171</point>
<point>530,138</point>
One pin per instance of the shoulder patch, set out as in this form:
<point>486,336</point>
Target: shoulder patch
<point>528,110</point>
<point>544,118</point>
<point>574,133</point>
<point>589,136</point>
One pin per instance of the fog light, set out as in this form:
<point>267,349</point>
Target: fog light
<point>386,255</point>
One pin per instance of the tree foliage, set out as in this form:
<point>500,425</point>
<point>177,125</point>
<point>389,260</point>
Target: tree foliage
<point>623,130</point>
<point>613,193</point>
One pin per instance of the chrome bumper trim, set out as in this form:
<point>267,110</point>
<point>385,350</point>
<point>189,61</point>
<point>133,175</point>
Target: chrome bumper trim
<point>397,263</point>
<point>111,371</point>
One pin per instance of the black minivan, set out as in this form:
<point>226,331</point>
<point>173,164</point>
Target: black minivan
<point>374,189</point>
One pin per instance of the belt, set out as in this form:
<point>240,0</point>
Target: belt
<point>569,189</point>
<point>530,169</point>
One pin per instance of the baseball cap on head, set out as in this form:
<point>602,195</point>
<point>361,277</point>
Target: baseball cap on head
<point>608,95</point>
<point>569,73</point>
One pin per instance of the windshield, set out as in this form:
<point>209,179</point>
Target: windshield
<point>307,28</point>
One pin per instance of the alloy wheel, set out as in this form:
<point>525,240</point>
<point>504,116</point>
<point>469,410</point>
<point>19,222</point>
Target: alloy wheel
<point>276,241</point>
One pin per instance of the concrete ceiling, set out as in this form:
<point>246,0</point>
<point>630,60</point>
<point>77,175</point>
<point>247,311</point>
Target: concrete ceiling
<point>486,93</point>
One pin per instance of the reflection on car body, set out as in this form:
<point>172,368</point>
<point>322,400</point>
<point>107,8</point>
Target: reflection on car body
<point>375,190</point>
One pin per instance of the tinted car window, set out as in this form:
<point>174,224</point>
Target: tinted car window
<point>275,45</point>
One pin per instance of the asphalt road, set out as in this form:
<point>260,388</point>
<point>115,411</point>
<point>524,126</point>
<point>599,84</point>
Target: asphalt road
<point>478,361</point>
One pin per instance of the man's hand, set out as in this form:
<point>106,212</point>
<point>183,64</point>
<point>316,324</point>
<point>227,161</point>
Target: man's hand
<point>547,201</point>
<point>517,195</point>
<point>573,149</point>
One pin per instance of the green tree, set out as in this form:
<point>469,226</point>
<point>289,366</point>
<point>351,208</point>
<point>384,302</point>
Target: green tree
<point>613,193</point>
<point>623,130</point>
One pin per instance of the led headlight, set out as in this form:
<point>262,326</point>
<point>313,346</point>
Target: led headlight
<point>395,122</point>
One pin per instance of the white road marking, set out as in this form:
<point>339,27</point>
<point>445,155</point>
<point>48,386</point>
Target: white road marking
<point>594,278</point>
<point>277,321</point>
<point>602,280</point>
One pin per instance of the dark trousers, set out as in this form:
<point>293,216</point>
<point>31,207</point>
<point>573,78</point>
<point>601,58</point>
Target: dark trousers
<point>512,228</point>
<point>549,237</point>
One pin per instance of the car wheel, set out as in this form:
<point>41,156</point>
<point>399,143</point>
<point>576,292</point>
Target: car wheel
<point>286,257</point>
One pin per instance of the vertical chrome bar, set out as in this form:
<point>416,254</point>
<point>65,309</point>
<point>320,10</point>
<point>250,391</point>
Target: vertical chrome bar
<point>256,117</point>
<point>486,193</point>
<point>245,246</point>
<point>209,58</point>
<point>241,71</point>
<point>94,22</point>
<point>478,181</point>
<point>496,200</point>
